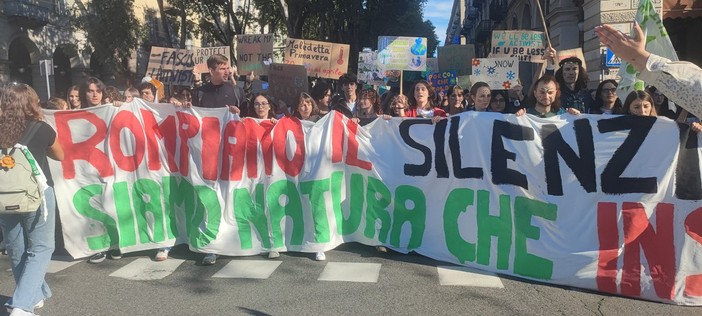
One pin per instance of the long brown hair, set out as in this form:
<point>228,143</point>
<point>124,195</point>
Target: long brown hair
<point>19,103</point>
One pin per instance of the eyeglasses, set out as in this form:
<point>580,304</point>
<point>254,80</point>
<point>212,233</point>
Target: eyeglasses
<point>260,105</point>
<point>611,90</point>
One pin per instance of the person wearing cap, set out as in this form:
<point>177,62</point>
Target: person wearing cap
<point>572,78</point>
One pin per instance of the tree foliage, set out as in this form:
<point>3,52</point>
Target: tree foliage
<point>112,31</point>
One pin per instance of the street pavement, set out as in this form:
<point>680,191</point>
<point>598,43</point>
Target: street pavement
<point>355,280</point>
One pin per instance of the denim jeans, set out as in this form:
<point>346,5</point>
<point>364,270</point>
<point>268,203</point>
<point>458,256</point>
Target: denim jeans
<point>30,243</point>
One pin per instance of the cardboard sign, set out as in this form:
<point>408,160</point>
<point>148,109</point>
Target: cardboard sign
<point>201,54</point>
<point>441,81</point>
<point>369,70</point>
<point>528,46</point>
<point>253,51</point>
<point>456,58</point>
<point>402,53</point>
<point>321,59</point>
<point>286,82</point>
<point>172,66</point>
<point>498,73</point>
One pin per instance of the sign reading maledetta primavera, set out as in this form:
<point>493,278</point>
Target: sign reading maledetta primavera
<point>609,203</point>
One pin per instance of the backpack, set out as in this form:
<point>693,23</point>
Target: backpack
<point>20,191</point>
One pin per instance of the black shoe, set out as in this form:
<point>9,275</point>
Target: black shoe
<point>115,254</point>
<point>98,257</point>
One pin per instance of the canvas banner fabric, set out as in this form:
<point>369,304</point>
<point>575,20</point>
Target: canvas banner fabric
<point>609,203</point>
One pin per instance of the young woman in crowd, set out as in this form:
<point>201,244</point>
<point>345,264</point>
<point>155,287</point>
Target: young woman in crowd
<point>306,110</point>
<point>421,105</point>
<point>130,94</point>
<point>498,102</point>
<point>639,103</point>
<point>73,96</point>
<point>262,107</point>
<point>480,96</point>
<point>606,100</point>
<point>111,95</point>
<point>368,107</point>
<point>661,103</point>
<point>55,103</point>
<point>322,95</point>
<point>29,236</point>
<point>91,92</point>
<point>456,100</point>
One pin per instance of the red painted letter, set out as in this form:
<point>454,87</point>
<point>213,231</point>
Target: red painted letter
<point>85,150</point>
<point>126,119</point>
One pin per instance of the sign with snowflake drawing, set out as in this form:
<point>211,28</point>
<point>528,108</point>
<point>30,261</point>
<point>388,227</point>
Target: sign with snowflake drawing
<point>499,73</point>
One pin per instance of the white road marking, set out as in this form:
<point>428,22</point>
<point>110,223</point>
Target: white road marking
<point>464,276</point>
<point>350,272</point>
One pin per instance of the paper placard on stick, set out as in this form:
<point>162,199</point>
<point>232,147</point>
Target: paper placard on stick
<point>201,54</point>
<point>172,66</point>
<point>575,52</point>
<point>402,53</point>
<point>456,58</point>
<point>441,81</point>
<point>252,53</point>
<point>499,73</point>
<point>286,82</point>
<point>321,59</point>
<point>369,71</point>
<point>528,46</point>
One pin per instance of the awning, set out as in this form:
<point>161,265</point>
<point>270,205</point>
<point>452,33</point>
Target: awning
<point>673,9</point>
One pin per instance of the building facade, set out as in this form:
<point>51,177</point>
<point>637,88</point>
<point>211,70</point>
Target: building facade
<point>570,24</point>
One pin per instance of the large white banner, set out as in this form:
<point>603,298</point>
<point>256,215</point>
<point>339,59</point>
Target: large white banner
<point>609,203</point>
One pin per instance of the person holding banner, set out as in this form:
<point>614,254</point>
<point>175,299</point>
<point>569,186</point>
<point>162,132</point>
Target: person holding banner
<point>548,102</point>
<point>73,96</point>
<point>639,103</point>
<point>480,95</point>
<point>220,91</point>
<point>147,91</point>
<point>422,104</point>
<point>262,104</point>
<point>306,109</point>
<point>606,101</point>
<point>29,236</point>
<point>680,81</point>
<point>456,100</point>
<point>368,108</point>
<point>322,95</point>
<point>346,103</point>
<point>91,92</point>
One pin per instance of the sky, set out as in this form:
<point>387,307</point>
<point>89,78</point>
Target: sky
<point>438,12</point>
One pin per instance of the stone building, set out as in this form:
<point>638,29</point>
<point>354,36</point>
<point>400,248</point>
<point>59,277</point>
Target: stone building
<point>570,24</point>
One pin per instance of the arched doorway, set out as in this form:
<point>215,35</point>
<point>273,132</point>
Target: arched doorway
<point>20,61</point>
<point>62,72</point>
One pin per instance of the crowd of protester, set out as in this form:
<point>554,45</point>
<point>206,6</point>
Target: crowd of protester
<point>555,93</point>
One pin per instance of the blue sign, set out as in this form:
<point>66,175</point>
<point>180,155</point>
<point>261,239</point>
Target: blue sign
<point>612,60</point>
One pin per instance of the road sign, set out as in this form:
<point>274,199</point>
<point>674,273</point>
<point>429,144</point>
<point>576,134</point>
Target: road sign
<point>612,60</point>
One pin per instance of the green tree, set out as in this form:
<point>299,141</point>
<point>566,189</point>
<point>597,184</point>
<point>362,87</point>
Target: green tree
<point>112,33</point>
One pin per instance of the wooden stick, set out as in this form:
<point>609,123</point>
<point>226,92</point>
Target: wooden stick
<point>543,22</point>
<point>401,73</point>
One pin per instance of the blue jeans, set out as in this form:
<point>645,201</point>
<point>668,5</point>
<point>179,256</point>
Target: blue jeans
<point>30,243</point>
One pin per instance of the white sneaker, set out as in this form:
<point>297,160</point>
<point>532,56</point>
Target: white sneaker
<point>39,305</point>
<point>381,249</point>
<point>161,255</point>
<point>273,254</point>
<point>320,256</point>
<point>21,312</point>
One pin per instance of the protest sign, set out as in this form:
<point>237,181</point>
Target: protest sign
<point>286,82</point>
<point>402,53</point>
<point>369,70</point>
<point>528,46</point>
<point>321,59</point>
<point>456,58</point>
<point>201,54</point>
<point>172,66</point>
<point>537,199</point>
<point>253,51</point>
<point>441,81</point>
<point>499,73</point>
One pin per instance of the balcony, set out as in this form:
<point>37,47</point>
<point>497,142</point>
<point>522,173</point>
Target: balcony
<point>498,10</point>
<point>29,13</point>
<point>484,30</point>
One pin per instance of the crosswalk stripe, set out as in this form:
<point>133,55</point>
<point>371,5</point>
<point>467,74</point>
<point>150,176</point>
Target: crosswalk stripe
<point>56,266</point>
<point>464,276</point>
<point>248,269</point>
<point>144,269</point>
<point>351,272</point>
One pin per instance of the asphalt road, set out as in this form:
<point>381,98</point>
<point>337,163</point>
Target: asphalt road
<point>298,285</point>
